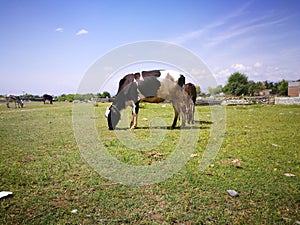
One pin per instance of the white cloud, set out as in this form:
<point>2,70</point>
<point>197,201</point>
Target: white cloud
<point>245,27</point>
<point>225,72</point>
<point>210,27</point>
<point>221,75</point>
<point>257,65</point>
<point>59,29</point>
<point>240,67</point>
<point>195,34</point>
<point>81,32</point>
<point>227,28</point>
<point>257,72</point>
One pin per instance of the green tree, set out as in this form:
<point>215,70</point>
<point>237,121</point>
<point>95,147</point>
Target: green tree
<point>237,84</point>
<point>253,88</point>
<point>70,97</point>
<point>62,98</point>
<point>216,90</point>
<point>282,88</point>
<point>270,85</point>
<point>198,90</point>
<point>104,94</point>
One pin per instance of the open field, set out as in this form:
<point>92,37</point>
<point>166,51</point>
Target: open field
<point>43,167</point>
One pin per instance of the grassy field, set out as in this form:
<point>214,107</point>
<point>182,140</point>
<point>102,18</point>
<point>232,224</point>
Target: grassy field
<point>43,167</point>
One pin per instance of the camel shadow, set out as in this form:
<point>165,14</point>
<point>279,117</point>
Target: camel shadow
<point>187,127</point>
<point>203,122</point>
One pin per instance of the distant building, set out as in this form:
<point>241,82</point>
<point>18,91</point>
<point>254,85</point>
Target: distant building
<point>294,89</point>
<point>265,92</point>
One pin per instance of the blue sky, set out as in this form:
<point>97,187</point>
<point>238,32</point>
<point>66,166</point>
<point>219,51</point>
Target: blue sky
<point>47,46</point>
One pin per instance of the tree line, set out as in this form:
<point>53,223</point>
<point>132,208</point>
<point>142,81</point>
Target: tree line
<point>238,84</point>
<point>82,97</point>
<point>65,97</point>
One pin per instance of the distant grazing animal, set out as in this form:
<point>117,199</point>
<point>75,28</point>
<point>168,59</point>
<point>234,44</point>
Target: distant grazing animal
<point>190,89</point>
<point>149,86</point>
<point>16,99</point>
<point>47,97</point>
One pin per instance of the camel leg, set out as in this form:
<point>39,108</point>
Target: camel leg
<point>175,118</point>
<point>178,110</point>
<point>7,102</point>
<point>133,123</point>
<point>135,111</point>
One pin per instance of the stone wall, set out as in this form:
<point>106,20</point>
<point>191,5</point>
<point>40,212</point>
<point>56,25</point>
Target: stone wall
<point>287,101</point>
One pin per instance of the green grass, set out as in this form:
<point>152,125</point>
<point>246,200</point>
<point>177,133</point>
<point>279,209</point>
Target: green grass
<point>42,165</point>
